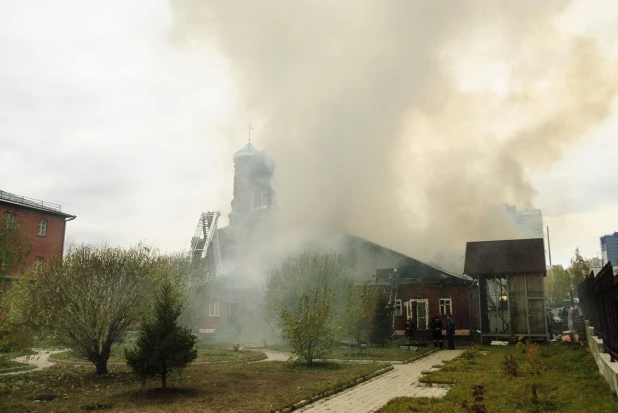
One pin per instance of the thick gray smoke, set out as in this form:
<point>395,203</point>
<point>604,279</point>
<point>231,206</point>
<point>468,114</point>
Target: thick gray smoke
<point>367,108</point>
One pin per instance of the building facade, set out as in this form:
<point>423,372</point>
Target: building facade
<point>529,222</point>
<point>41,224</point>
<point>509,298</point>
<point>420,292</point>
<point>609,249</point>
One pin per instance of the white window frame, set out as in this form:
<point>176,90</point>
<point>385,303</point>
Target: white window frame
<point>213,309</point>
<point>9,219</point>
<point>398,308</point>
<point>444,303</point>
<point>42,227</point>
<point>425,303</point>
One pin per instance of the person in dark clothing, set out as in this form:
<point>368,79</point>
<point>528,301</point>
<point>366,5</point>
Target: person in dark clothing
<point>450,332</point>
<point>436,331</point>
<point>410,327</point>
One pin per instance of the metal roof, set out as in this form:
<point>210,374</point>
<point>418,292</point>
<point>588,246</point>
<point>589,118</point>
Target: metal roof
<point>505,257</point>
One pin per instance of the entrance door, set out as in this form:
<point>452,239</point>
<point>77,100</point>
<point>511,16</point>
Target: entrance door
<point>419,309</point>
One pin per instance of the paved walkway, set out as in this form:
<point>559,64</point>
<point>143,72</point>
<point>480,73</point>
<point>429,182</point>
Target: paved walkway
<point>375,393</point>
<point>40,360</point>
<point>272,355</point>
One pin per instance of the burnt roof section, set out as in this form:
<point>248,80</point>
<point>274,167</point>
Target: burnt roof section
<point>22,201</point>
<point>505,257</point>
<point>412,270</point>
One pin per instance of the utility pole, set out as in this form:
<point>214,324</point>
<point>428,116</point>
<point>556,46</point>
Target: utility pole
<point>548,245</point>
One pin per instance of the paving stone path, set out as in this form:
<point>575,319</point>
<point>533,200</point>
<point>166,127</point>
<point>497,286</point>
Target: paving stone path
<point>272,355</point>
<point>375,393</point>
<point>40,360</point>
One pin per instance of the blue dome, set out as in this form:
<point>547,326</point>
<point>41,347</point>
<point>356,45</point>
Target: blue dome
<point>247,150</point>
<point>259,164</point>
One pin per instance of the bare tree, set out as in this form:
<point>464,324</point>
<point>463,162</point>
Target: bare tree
<point>92,296</point>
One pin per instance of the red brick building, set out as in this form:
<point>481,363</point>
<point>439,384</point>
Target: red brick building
<point>421,291</point>
<point>42,223</point>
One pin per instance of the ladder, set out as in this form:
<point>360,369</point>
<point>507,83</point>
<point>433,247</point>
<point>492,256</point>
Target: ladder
<point>205,242</point>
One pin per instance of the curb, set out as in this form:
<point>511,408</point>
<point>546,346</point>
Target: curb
<point>420,356</point>
<point>339,389</point>
<point>438,385</point>
<point>18,368</point>
<point>88,363</point>
<point>367,361</point>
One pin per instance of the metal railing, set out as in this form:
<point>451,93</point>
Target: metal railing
<point>29,201</point>
<point>598,298</point>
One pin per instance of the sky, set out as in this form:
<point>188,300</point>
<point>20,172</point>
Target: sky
<point>104,111</point>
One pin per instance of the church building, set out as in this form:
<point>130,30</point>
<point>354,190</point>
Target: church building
<point>236,301</point>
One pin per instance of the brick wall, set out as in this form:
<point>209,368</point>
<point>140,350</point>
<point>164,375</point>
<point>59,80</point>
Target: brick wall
<point>28,222</point>
<point>459,299</point>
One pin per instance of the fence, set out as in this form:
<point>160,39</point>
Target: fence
<point>599,299</point>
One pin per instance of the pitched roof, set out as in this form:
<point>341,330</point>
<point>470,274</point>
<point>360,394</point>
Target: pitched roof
<point>508,256</point>
<point>412,269</point>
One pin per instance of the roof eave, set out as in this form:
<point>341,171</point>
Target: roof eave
<point>34,208</point>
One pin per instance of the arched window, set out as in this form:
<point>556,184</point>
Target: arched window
<point>264,201</point>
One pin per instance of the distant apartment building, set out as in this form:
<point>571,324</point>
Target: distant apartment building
<point>529,222</point>
<point>609,249</point>
<point>42,224</point>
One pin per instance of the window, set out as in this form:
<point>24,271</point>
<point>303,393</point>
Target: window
<point>213,309</point>
<point>445,306</point>
<point>398,307</point>
<point>43,227</point>
<point>38,262</point>
<point>9,220</point>
<point>264,199</point>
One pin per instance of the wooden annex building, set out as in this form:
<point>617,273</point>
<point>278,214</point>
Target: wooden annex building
<point>508,300</point>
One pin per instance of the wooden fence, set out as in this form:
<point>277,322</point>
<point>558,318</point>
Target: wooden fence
<point>598,298</point>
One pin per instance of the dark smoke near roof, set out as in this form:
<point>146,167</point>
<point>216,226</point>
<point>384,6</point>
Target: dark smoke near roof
<point>367,109</point>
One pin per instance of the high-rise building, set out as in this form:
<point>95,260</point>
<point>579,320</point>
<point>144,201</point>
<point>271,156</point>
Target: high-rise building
<point>609,248</point>
<point>529,222</point>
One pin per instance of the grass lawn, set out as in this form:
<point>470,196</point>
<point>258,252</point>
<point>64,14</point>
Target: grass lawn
<point>5,358</point>
<point>203,354</point>
<point>569,381</point>
<point>231,387</point>
<point>376,353</point>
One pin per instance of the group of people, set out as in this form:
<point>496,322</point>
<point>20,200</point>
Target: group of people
<point>435,326</point>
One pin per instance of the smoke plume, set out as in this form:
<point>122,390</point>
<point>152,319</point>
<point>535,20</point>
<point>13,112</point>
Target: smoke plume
<point>406,122</point>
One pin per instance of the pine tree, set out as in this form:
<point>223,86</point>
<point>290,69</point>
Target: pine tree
<point>162,344</point>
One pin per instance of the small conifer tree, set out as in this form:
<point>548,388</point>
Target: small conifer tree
<point>162,344</point>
